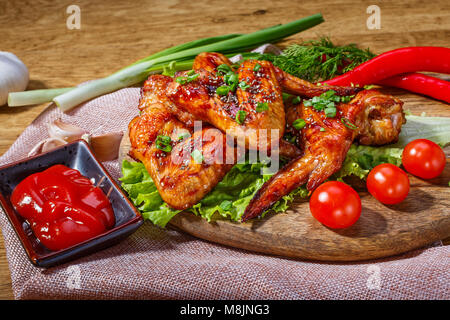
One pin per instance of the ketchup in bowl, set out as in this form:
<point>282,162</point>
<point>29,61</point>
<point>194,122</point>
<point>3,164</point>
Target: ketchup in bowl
<point>62,207</point>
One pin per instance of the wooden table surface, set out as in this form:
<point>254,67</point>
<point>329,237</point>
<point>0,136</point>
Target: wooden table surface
<point>116,33</point>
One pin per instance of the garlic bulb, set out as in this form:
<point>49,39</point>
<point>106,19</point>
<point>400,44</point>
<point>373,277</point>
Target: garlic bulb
<point>14,75</point>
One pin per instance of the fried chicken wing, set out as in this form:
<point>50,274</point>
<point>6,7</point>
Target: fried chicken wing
<point>297,86</point>
<point>371,117</point>
<point>181,181</point>
<point>199,98</point>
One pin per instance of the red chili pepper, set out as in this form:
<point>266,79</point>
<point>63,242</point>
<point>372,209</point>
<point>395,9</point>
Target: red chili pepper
<point>395,62</point>
<point>420,83</point>
<point>63,207</point>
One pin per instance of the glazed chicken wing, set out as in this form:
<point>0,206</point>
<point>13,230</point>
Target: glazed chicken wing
<point>371,117</point>
<point>256,105</point>
<point>165,146</point>
<point>234,112</point>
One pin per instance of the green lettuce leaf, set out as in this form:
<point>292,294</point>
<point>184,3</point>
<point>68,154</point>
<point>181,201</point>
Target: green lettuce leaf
<point>231,196</point>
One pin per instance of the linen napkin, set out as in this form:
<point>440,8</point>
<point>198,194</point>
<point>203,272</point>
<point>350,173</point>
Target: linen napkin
<point>154,263</point>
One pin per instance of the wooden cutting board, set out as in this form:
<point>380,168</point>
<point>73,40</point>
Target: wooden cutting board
<point>423,218</point>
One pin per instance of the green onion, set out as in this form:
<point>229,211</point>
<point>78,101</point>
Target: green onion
<point>224,69</point>
<point>299,124</point>
<point>163,143</point>
<point>348,123</point>
<point>257,67</point>
<point>197,156</point>
<point>190,76</point>
<point>243,85</point>
<point>322,129</point>
<point>296,100</point>
<point>240,116</point>
<point>223,90</point>
<point>140,70</point>
<point>26,98</point>
<point>330,112</point>
<point>262,106</point>
<point>290,138</point>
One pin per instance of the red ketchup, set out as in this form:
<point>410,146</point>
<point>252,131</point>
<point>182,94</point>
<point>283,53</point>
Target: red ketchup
<point>62,207</point>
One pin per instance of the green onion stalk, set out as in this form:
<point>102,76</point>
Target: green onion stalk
<point>183,56</point>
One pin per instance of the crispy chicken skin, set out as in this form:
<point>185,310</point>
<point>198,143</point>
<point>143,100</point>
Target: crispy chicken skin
<point>326,141</point>
<point>180,180</point>
<point>297,86</point>
<point>200,99</point>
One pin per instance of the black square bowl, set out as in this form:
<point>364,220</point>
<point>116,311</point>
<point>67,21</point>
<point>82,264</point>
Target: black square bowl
<point>76,155</point>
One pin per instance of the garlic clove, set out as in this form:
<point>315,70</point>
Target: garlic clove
<point>106,147</point>
<point>65,131</point>
<point>46,145</point>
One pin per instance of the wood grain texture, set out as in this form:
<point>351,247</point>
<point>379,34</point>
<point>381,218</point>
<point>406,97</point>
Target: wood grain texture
<point>115,33</point>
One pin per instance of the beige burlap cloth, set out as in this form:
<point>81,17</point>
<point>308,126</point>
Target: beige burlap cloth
<point>158,264</point>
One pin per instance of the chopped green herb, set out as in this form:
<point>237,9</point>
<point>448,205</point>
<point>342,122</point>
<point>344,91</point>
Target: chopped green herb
<point>163,143</point>
<point>190,76</point>
<point>243,85</point>
<point>197,156</point>
<point>257,67</point>
<point>232,80</point>
<point>223,90</point>
<point>296,100</point>
<point>326,102</point>
<point>290,138</point>
<point>348,123</point>
<point>299,124</point>
<point>240,116</point>
<point>330,112</point>
<point>224,68</point>
<point>262,106</point>
<point>322,129</point>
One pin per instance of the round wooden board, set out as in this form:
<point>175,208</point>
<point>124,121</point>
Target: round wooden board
<point>423,218</point>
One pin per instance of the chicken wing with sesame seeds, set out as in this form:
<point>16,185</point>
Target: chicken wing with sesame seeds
<point>165,146</point>
<point>297,86</point>
<point>253,104</point>
<point>370,117</point>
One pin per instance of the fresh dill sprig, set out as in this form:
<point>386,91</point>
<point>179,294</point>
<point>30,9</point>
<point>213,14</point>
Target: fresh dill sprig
<point>319,60</point>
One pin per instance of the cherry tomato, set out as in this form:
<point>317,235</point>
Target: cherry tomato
<point>388,183</point>
<point>423,158</point>
<point>335,205</point>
